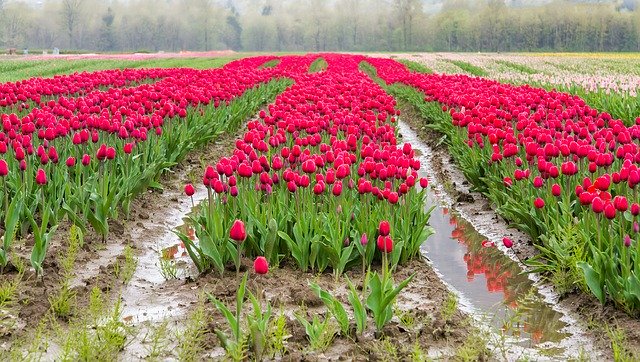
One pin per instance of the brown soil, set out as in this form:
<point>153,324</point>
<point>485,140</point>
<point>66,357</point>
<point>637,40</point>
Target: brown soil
<point>286,288</point>
<point>482,213</point>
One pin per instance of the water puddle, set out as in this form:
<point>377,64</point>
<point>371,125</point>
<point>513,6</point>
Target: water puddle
<point>517,311</point>
<point>151,296</point>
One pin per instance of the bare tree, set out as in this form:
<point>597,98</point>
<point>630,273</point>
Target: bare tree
<point>71,17</point>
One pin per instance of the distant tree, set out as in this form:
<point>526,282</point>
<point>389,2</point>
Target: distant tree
<point>107,39</point>
<point>407,11</point>
<point>71,16</point>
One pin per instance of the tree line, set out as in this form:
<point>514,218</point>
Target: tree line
<point>315,25</point>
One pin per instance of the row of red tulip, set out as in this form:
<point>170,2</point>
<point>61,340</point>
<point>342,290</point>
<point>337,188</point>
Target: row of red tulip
<point>549,161</point>
<point>308,174</point>
<point>105,130</point>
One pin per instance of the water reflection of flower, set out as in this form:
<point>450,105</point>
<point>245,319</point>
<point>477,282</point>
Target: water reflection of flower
<point>531,315</point>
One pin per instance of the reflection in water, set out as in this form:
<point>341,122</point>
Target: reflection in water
<point>178,250</point>
<point>490,280</point>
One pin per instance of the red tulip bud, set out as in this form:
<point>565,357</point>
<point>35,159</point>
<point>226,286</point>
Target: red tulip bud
<point>189,190</point>
<point>71,161</point>
<point>538,203</point>
<point>384,228</point>
<point>385,244</point>
<point>4,168</point>
<point>238,232</point>
<point>41,177</point>
<point>261,265</point>
<point>507,242</point>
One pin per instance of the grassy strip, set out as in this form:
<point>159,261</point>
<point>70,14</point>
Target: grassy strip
<point>415,67</point>
<point>469,68</point>
<point>519,67</point>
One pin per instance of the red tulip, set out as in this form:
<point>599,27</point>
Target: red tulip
<point>507,242</point>
<point>237,231</point>
<point>538,203</point>
<point>261,265</point>
<point>384,228</point>
<point>609,211</point>
<point>556,190</point>
<point>71,161</point>
<point>385,244</point>
<point>41,177</point>
<point>189,190</point>
<point>4,168</point>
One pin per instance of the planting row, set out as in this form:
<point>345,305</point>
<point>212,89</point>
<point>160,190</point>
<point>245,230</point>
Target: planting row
<point>318,178</point>
<point>558,169</point>
<point>85,156</point>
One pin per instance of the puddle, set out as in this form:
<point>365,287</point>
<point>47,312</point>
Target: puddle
<point>519,313</point>
<point>149,296</point>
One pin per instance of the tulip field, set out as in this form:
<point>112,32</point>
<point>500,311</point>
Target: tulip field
<point>316,184</point>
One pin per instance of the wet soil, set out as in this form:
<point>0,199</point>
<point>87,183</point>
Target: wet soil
<point>477,209</point>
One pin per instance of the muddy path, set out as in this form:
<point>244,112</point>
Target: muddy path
<point>602,327</point>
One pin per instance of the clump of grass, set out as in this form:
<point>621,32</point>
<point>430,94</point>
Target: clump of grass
<point>130,264</point>
<point>474,348</point>
<point>449,307</point>
<point>168,268</point>
<point>278,335</point>
<point>191,340</point>
<point>158,342</point>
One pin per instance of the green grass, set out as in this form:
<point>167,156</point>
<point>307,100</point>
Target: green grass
<point>519,67</point>
<point>318,65</point>
<point>469,68</point>
<point>415,67</point>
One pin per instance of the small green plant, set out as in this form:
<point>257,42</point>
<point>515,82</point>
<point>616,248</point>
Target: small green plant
<point>236,345</point>
<point>385,349</point>
<point>278,334</point>
<point>259,327</point>
<point>619,345</point>
<point>63,301</point>
<point>417,353</point>
<point>358,305</point>
<point>474,348</point>
<point>130,264</point>
<point>449,307</point>
<point>96,303</point>
<point>168,268</point>
<point>382,296</point>
<point>9,290</point>
<point>320,333</point>
<point>158,341</point>
<point>335,307</point>
<point>407,319</point>
<point>191,340</point>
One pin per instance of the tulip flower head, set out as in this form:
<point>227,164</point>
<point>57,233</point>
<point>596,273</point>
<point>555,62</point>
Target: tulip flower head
<point>385,244</point>
<point>41,177</point>
<point>261,265</point>
<point>238,231</point>
<point>384,228</point>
